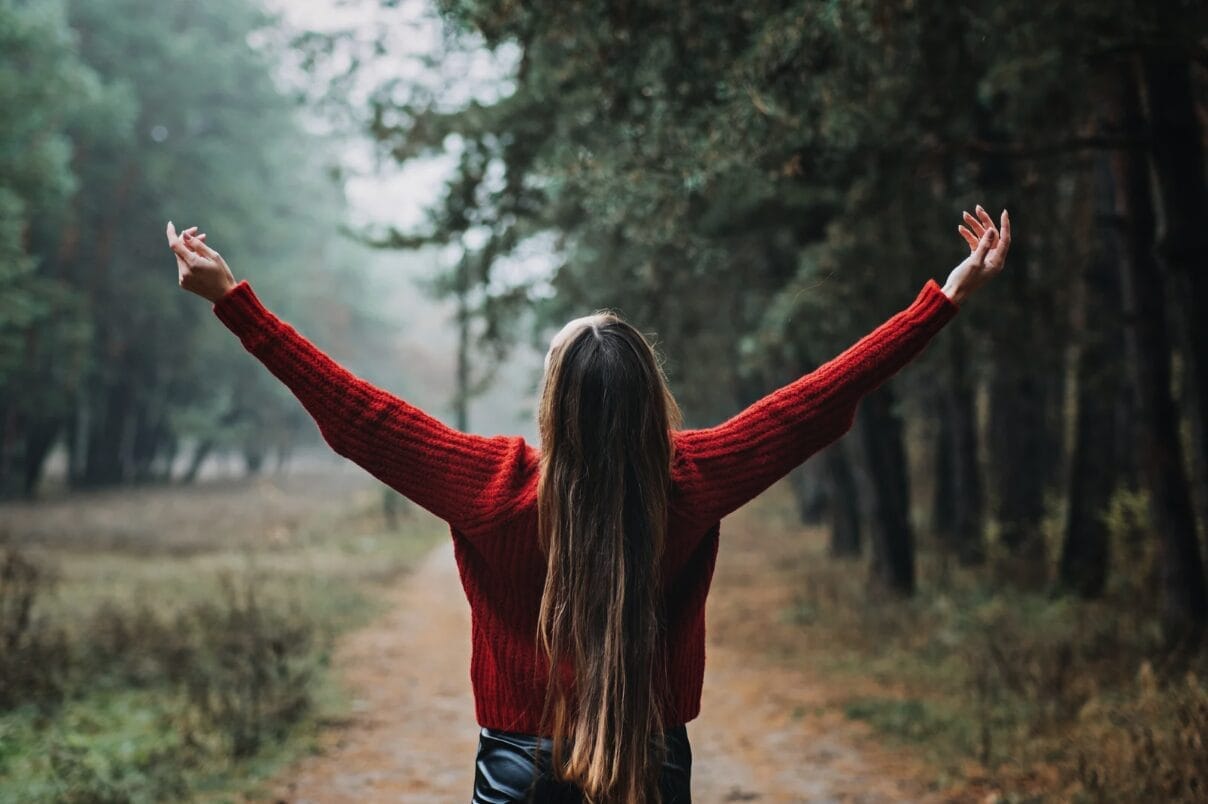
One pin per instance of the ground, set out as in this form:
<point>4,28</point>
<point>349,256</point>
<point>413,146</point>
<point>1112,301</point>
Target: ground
<point>768,731</point>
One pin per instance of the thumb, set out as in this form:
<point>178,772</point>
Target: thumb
<point>987,240</point>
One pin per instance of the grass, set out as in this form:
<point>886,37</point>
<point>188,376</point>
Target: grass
<point>1005,691</point>
<point>148,673</point>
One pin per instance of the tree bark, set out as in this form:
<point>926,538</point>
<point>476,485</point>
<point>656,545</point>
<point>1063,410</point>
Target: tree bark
<point>1184,603</point>
<point>943,508</point>
<point>1022,444</point>
<point>39,438</point>
<point>967,503</point>
<point>200,453</point>
<point>461,399</point>
<point>843,498</point>
<point>11,445</point>
<point>1020,447</point>
<point>1085,552</point>
<point>885,455</point>
<point>810,491</point>
<point>103,462</point>
<point>1177,151</point>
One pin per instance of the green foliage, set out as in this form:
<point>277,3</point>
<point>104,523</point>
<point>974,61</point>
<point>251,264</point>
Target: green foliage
<point>763,183</point>
<point>86,777</point>
<point>42,77</point>
<point>134,113</point>
<point>911,720</point>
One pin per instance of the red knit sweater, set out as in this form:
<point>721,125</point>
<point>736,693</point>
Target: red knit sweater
<point>486,487</point>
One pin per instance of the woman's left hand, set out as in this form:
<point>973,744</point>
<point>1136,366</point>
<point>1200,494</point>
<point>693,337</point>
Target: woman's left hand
<point>201,269</point>
<point>988,254</point>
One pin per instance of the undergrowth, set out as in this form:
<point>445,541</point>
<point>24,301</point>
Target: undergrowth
<point>114,688</point>
<point>1022,693</point>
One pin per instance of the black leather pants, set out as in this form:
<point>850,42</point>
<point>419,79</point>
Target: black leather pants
<point>513,767</point>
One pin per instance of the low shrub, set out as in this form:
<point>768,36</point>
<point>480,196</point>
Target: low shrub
<point>212,681</point>
<point>1153,746</point>
<point>1071,699</point>
<point>81,776</point>
<point>133,645</point>
<point>250,674</point>
<point>35,658</point>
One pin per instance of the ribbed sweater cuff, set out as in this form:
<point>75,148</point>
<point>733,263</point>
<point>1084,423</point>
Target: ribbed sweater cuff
<point>244,315</point>
<point>933,302</point>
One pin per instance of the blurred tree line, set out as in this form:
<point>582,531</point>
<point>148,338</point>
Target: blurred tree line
<point>762,183</point>
<point>119,115</point>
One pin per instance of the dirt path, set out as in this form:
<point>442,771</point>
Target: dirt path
<point>412,735</point>
<point>765,732</point>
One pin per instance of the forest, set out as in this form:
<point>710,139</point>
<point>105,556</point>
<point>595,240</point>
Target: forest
<point>1009,545</point>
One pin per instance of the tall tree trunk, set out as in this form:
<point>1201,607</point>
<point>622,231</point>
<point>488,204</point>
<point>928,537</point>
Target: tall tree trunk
<point>39,439</point>
<point>103,463</point>
<point>11,449</point>
<point>253,458</point>
<point>77,434</point>
<point>1178,159</point>
<point>171,449</point>
<point>885,456</point>
<point>200,453</point>
<point>943,495</point>
<point>1184,602</point>
<point>943,510</point>
<point>1093,478</point>
<point>966,502</point>
<point>1020,446</point>
<point>145,439</point>
<point>461,400</point>
<point>843,498</point>
<point>811,492</point>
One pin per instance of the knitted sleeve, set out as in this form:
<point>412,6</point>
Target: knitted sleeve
<point>721,468</point>
<point>467,480</point>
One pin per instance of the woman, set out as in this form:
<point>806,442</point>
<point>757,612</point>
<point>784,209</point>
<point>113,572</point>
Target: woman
<point>593,555</point>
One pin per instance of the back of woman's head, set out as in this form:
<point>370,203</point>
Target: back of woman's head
<point>605,422</point>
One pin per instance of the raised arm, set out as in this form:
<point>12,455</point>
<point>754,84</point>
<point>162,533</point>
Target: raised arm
<point>468,480</point>
<point>720,468</point>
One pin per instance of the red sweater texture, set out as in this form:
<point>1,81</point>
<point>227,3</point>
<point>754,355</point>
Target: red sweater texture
<point>485,488</point>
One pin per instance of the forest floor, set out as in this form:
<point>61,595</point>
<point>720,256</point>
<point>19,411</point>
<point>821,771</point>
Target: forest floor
<point>774,727</point>
<point>815,689</point>
<point>769,730</point>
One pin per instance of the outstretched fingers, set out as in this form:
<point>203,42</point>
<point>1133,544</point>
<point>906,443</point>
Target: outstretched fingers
<point>189,246</point>
<point>984,217</point>
<point>173,236</point>
<point>975,225</point>
<point>970,238</point>
<point>197,244</point>
<point>981,234</point>
<point>988,238</point>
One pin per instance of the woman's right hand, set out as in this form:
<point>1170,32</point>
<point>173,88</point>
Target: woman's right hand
<point>988,254</point>
<point>201,269</point>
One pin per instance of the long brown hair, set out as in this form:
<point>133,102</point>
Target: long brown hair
<point>605,421</point>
